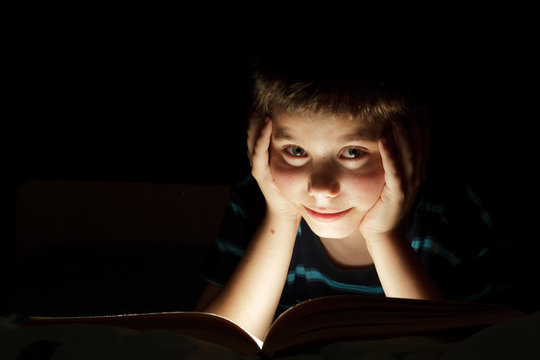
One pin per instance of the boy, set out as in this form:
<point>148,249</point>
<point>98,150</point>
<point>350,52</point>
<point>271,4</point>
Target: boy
<point>337,201</point>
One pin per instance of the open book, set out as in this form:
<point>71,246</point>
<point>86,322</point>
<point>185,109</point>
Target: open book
<point>316,322</point>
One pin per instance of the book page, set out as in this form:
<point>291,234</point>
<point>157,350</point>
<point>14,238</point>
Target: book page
<point>353,317</point>
<point>203,326</point>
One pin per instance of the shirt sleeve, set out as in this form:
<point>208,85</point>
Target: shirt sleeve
<point>242,216</point>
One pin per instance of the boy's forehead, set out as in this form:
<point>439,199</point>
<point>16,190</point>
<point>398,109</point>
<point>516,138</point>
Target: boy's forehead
<point>290,126</point>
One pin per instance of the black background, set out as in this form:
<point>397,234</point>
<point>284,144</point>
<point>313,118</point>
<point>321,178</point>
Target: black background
<point>160,94</point>
<point>155,94</point>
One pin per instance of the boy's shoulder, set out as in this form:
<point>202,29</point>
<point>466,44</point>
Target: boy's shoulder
<point>456,199</point>
<point>452,217</point>
<point>247,198</point>
<point>246,188</point>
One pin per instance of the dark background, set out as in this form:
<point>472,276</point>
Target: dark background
<point>160,95</point>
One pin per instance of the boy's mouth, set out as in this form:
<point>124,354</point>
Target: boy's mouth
<point>326,215</point>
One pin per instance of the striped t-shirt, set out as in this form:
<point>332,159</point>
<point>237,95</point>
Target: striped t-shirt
<point>449,230</point>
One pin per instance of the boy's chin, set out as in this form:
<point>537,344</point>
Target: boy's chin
<point>335,230</point>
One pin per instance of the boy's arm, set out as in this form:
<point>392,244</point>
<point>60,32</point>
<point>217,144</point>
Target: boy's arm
<point>251,295</point>
<point>399,269</point>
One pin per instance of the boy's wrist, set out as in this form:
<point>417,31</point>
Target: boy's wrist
<point>283,218</point>
<point>397,235</point>
<point>282,221</point>
<point>400,270</point>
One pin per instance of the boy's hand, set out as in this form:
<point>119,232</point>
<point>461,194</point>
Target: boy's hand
<point>259,156</point>
<point>404,157</point>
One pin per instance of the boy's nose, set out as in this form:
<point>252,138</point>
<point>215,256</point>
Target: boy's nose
<point>323,184</point>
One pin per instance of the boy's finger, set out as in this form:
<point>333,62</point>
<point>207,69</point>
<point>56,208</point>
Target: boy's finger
<point>404,152</point>
<point>260,157</point>
<point>392,176</point>
<point>253,132</point>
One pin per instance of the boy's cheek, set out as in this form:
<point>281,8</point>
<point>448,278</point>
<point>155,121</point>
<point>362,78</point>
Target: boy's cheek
<point>288,179</point>
<point>366,189</point>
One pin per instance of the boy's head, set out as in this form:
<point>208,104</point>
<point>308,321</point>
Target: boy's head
<point>329,106</point>
<point>314,74</point>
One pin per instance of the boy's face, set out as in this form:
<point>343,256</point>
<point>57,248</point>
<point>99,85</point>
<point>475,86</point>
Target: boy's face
<point>329,168</point>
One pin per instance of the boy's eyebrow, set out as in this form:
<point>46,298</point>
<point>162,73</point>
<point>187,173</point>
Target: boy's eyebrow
<point>282,134</point>
<point>361,134</point>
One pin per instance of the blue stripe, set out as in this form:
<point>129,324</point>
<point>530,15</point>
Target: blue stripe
<point>244,181</point>
<point>237,209</point>
<point>437,209</point>
<point>213,282</point>
<point>225,246</point>
<point>475,198</point>
<point>315,275</point>
<point>487,219</point>
<point>482,252</point>
<point>429,244</point>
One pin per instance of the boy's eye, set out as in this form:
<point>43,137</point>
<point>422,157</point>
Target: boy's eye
<point>352,153</point>
<point>295,151</point>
